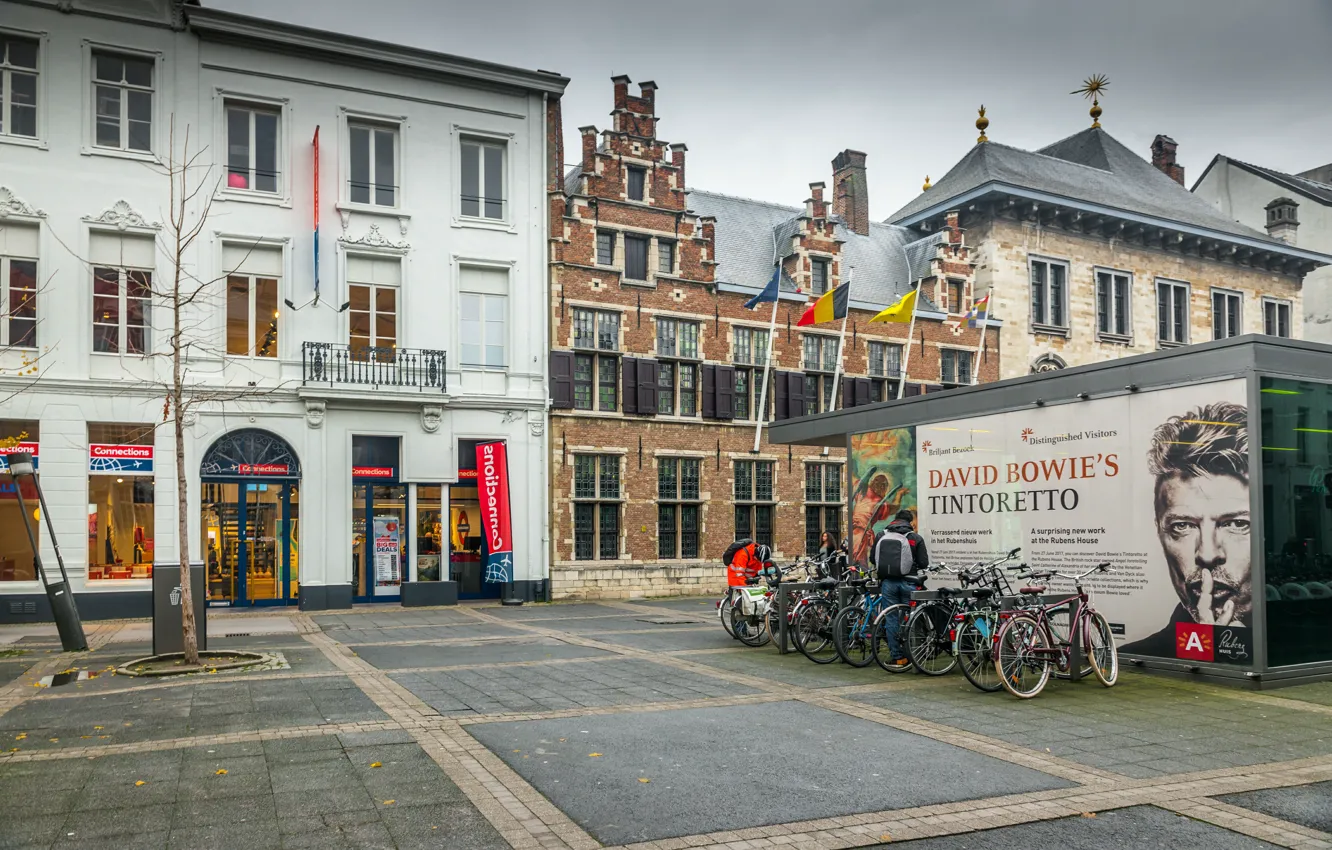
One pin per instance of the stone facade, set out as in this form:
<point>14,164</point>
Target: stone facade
<point>609,515</point>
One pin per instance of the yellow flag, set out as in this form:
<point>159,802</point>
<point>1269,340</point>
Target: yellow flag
<point>902,311</point>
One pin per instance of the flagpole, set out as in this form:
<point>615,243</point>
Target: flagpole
<point>980,346</point>
<point>911,331</point>
<point>841,340</point>
<point>767,365</point>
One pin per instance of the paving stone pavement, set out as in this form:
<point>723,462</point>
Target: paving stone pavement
<point>443,727</point>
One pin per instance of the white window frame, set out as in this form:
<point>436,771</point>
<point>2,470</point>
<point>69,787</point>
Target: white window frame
<point>484,299</point>
<point>1211,310</point>
<point>5,304</point>
<point>509,141</point>
<point>1044,326</point>
<point>43,102</point>
<point>1176,286</point>
<point>282,244</point>
<point>506,293</point>
<point>90,84</point>
<point>372,128</point>
<point>1278,303</point>
<point>226,98</point>
<point>348,116</point>
<point>255,337</point>
<point>122,309</point>
<point>1110,335</point>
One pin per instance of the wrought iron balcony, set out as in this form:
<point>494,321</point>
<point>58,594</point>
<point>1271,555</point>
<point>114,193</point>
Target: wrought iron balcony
<point>372,366</point>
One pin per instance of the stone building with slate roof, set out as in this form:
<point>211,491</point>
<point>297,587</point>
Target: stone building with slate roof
<point>1296,208</point>
<point>1094,253</point>
<point>657,366</point>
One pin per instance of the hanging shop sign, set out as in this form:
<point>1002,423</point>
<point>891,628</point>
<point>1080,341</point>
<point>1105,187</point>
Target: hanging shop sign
<point>106,459</point>
<point>492,463</point>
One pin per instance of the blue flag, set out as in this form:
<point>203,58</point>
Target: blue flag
<point>769,292</point>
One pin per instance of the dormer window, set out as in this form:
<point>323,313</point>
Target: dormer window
<point>636,182</point>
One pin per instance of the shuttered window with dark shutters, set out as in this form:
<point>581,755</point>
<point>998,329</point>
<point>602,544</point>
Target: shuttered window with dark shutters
<point>561,380</point>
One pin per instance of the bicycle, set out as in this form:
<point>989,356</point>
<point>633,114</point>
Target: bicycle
<point>813,620</point>
<point>1024,647</point>
<point>975,628</point>
<point>751,627</point>
<point>854,629</point>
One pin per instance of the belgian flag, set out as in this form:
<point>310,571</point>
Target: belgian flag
<point>830,307</point>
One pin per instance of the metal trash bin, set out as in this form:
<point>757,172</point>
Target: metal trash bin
<point>167,616</point>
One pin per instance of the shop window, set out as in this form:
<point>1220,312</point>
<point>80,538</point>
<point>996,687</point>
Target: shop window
<point>1296,421</point>
<point>431,539</point>
<point>120,501</point>
<point>16,561</point>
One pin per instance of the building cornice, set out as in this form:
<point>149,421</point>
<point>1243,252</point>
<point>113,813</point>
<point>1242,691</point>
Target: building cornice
<point>218,25</point>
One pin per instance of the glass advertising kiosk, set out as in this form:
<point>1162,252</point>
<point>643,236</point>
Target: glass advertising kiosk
<point>1203,474</point>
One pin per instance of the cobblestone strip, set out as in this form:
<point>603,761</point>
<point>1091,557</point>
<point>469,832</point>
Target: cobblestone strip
<point>1251,823</point>
<point>93,751</point>
<point>517,811</point>
<point>972,815</point>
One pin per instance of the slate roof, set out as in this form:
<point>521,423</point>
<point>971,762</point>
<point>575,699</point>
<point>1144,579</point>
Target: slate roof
<point>746,230</point>
<point>1313,189</point>
<point>1090,166</point>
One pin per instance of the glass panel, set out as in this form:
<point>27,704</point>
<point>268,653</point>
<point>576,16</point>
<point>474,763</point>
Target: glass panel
<point>811,393</point>
<point>359,296</point>
<point>1103,303</point>
<point>1057,275</point>
<point>666,531</point>
<point>120,526</point>
<point>471,178</point>
<point>359,138</point>
<point>666,388</point>
<point>494,181</point>
<point>744,480</point>
<point>220,515</point>
<point>263,564</point>
<point>140,120</point>
<point>665,257</point>
<point>385,175</point>
<point>583,333</point>
<point>609,481</point>
<point>471,329</point>
<point>689,475</point>
<point>584,532</point>
<point>1163,313</point>
<point>238,315</point>
<point>1181,314</point>
<point>265,152</point>
<point>22,104</point>
<point>605,248</point>
<point>139,72</point>
<point>688,390</point>
<point>741,393</point>
<point>108,116</point>
<point>22,53</point>
<point>494,328</point>
<point>689,531</point>
<point>763,480</point>
<point>744,522</point>
<point>812,530</point>
<point>811,344</point>
<point>429,531</point>
<point>666,330</point>
<point>109,68</point>
<point>608,331</point>
<point>763,524</point>
<point>582,381</point>
<point>1038,293</point>
<point>1121,305</point>
<point>608,534</point>
<point>1297,520</point>
<point>585,476</point>
<point>689,339</point>
<point>266,317</point>
<point>813,483</point>
<point>22,303</point>
<point>389,539</point>
<point>668,484</point>
<point>608,384</point>
<point>238,149</point>
<point>832,483</point>
<point>743,349</point>
<point>635,258</point>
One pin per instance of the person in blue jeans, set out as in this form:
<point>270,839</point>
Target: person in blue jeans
<point>898,555</point>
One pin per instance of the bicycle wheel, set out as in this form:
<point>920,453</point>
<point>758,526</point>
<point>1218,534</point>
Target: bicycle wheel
<point>880,647</point>
<point>975,652</point>
<point>1101,650</point>
<point>813,631</point>
<point>774,623</point>
<point>724,612</point>
<point>927,641</point>
<point>851,635</point>
<point>1022,668</point>
<point>1059,621</point>
<point>749,629</point>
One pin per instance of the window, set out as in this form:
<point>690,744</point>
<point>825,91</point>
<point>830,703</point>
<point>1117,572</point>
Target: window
<point>373,292</point>
<point>818,276</point>
<point>18,286</point>
<point>754,500</point>
<point>122,302</point>
<point>820,364</point>
<point>605,248</point>
<point>677,383</point>
<point>18,87</point>
<point>120,501</point>
<point>1226,317</point>
<point>1172,313</point>
<point>1276,317</point>
<point>678,503</point>
<point>1112,304</point>
<point>677,338</point>
<point>955,367</point>
<point>751,354</point>
<point>252,316</point>
<point>885,367</point>
<point>596,330</point>
<point>16,560</point>
<point>823,503</point>
<point>373,171</point>
<point>635,257</point>
<point>122,102</point>
<point>637,181</point>
<point>483,179</point>
<point>1049,294</point>
<point>665,256</point>
<point>596,507</point>
<point>956,290</point>
<point>252,148</point>
<point>483,329</point>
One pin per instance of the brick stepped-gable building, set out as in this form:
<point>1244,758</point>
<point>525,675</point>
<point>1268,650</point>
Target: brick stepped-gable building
<point>657,366</point>
<point>1095,253</point>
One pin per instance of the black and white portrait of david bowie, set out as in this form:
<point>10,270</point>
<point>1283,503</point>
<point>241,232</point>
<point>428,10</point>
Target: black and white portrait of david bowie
<point>1200,465</point>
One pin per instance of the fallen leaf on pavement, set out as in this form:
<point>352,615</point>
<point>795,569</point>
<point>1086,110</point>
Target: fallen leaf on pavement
<point>20,736</point>
<point>221,772</point>
<point>139,782</point>
<point>594,755</point>
<point>389,802</point>
<point>1089,814</point>
<point>376,764</point>
<point>641,779</point>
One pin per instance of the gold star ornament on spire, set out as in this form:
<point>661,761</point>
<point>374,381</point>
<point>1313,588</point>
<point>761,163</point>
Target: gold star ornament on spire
<point>981,123</point>
<point>1093,87</point>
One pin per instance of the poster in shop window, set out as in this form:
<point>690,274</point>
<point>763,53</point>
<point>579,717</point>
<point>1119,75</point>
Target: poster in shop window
<point>1156,483</point>
<point>388,552</point>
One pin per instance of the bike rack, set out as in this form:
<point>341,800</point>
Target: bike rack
<point>780,592</point>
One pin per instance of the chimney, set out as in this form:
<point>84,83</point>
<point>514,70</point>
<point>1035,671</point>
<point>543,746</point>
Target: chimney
<point>678,160</point>
<point>1281,220</point>
<point>645,93</point>
<point>850,192</point>
<point>621,83</point>
<point>589,134</point>
<point>1163,157</point>
<point>815,206</point>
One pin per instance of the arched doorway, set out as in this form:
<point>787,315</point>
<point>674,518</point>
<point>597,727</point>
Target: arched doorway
<point>250,509</point>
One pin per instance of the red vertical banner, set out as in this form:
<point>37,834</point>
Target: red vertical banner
<point>492,467</point>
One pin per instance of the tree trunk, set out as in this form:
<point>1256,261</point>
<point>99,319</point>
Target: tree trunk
<point>189,629</point>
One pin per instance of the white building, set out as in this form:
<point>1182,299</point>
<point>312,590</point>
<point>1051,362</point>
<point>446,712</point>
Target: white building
<point>375,253</point>
<point>1294,207</point>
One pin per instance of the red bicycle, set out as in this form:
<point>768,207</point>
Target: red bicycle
<point>1027,648</point>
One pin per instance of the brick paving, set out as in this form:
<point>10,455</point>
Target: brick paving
<point>417,692</point>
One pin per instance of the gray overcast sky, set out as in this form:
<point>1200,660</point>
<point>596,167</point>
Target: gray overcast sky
<point>766,92</point>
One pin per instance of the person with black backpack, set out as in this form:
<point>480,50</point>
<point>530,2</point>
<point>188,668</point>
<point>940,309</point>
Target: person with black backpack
<point>898,555</point>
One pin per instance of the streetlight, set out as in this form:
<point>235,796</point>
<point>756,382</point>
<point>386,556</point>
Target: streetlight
<point>62,600</point>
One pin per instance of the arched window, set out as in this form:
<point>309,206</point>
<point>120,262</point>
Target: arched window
<point>250,453</point>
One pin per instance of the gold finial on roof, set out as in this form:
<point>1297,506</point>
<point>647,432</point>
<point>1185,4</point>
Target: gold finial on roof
<point>926,187</point>
<point>1093,87</point>
<point>981,123</point>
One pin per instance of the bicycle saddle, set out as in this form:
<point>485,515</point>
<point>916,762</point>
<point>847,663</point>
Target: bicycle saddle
<point>1033,589</point>
<point>858,582</point>
<point>983,592</point>
<point>826,583</point>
